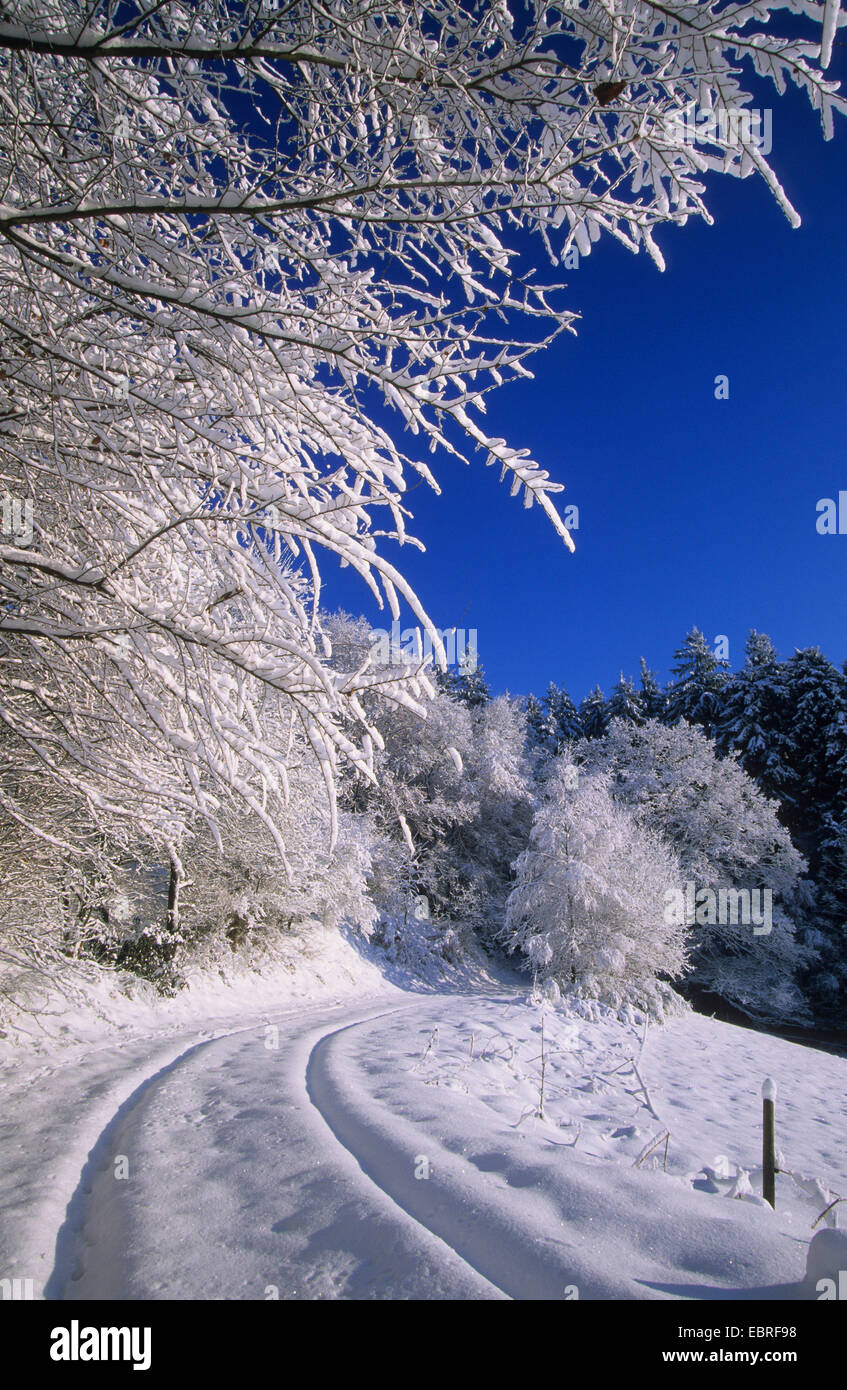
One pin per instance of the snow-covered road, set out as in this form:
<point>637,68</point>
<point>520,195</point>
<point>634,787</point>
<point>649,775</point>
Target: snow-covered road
<point>391,1150</point>
<point>236,1188</point>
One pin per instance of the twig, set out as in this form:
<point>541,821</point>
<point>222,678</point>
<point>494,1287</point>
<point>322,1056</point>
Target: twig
<point>826,1209</point>
<point>648,1102</point>
<point>645,1153</point>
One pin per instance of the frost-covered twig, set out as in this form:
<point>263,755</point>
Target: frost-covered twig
<point>827,1209</point>
<point>647,1101</point>
<point>653,1144</point>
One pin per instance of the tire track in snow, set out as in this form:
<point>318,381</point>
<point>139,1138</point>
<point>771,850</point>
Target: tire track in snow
<point>70,1238</point>
<point>88,1151</point>
<point>344,1237</point>
<point>475,1228</point>
<point>532,1225</point>
<point>363,1144</point>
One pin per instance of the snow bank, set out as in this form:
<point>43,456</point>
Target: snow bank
<point>827,1256</point>
<point>313,964</point>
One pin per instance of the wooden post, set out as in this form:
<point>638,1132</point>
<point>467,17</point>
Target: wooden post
<point>768,1147</point>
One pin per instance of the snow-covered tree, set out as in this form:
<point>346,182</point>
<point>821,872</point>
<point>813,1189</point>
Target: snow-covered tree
<point>594,714</point>
<point>727,837</point>
<point>700,677</point>
<point>228,235</point>
<point>535,722</point>
<point>460,784</point>
<point>242,899</point>
<point>625,702</point>
<point>450,811</point>
<point>814,748</point>
<point>825,933</point>
<point>467,684</point>
<point>652,698</point>
<point>59,905</point>
<point>77,873</point>
<point>417,805</point>
<point>588,909</point>
<point>552,722</point>
<point>755,717</point>
<point>564,722</point>
<point>501,775</point>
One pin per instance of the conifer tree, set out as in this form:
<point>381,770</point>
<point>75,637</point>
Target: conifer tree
<point>594,714</point>
<point>816,704</point>
<point>755,717</point>
<point>699,680</point>
<point>654,701</point>
<point>625,702</point>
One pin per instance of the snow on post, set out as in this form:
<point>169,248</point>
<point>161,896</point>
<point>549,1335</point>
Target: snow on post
<point>768,1145</point>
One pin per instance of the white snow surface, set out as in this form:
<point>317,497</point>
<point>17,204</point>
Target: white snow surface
<point>328,1135</point>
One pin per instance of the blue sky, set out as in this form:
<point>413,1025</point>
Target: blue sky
<point>693,511</point>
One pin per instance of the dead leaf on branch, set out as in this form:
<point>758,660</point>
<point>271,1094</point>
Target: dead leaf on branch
<point>607,91</point>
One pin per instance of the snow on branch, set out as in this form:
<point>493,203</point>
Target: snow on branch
<point>252,260</point>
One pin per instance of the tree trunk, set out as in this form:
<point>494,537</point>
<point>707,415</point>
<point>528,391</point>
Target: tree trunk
<point>175,881</point>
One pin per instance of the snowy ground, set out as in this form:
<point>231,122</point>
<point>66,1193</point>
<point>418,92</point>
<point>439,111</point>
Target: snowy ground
<point>390,1147</point>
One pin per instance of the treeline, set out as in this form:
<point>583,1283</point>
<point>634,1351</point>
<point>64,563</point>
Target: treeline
<point>527,826</point>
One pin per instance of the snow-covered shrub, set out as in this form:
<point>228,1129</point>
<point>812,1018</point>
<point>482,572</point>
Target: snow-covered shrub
<point>424,948</point>
<point>421,804</point>
<point>451,809</point>
<point>74,897</point>
<point>242,900</point>
<point>240,897</point>
<point>500,772</point>
<point>130,929</point>
<point>410,928</point>
<point>588,907</point>
<point>726,836</point>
